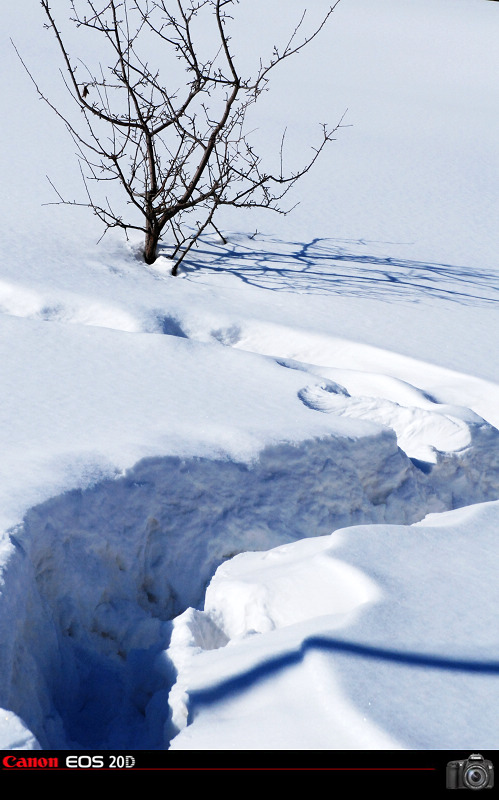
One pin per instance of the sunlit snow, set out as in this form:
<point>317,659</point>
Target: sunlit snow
<point>255,507</point>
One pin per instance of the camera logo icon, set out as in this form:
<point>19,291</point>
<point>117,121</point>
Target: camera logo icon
<point>476,772</point>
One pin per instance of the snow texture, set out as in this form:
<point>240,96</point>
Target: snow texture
<point>255,507</point>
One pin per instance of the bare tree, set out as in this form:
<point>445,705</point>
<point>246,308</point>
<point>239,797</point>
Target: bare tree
<point>179,154</point>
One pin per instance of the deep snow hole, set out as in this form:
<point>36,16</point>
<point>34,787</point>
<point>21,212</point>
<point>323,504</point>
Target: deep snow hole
<point>97,575</point>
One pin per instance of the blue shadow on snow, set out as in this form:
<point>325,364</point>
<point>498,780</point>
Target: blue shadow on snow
<point>325,266</point>
<point>245,680</point>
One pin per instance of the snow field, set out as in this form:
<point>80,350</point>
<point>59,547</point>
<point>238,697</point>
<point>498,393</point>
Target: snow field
<point>328,388</point>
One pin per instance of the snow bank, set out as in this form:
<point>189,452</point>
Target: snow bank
<point>377,637</point>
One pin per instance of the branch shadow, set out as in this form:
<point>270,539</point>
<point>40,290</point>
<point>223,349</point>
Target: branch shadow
<point>349,268</point>
<point>268,667</point>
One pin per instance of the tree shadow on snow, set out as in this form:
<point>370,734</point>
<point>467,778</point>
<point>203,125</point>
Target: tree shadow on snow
<point>350,268</point>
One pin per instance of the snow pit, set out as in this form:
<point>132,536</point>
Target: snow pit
<point>101,573</point>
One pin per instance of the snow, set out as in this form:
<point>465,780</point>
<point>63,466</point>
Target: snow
<point>379,644</point>
<point>255,507</point>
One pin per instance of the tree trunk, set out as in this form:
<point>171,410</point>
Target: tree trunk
<point>151,246</point>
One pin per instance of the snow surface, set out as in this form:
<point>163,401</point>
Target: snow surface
<point>256,506</point>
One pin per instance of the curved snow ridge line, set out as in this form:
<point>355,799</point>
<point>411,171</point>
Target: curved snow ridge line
<point>422,433</point>
<point>260,592</point>
<point>453,414</point>
<point>21,301</point>
<point>362,369</point>
<point>198,698</point>
<point>77,309</point>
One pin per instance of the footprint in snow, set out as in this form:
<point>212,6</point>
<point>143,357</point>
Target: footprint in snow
<point>322,396</point>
